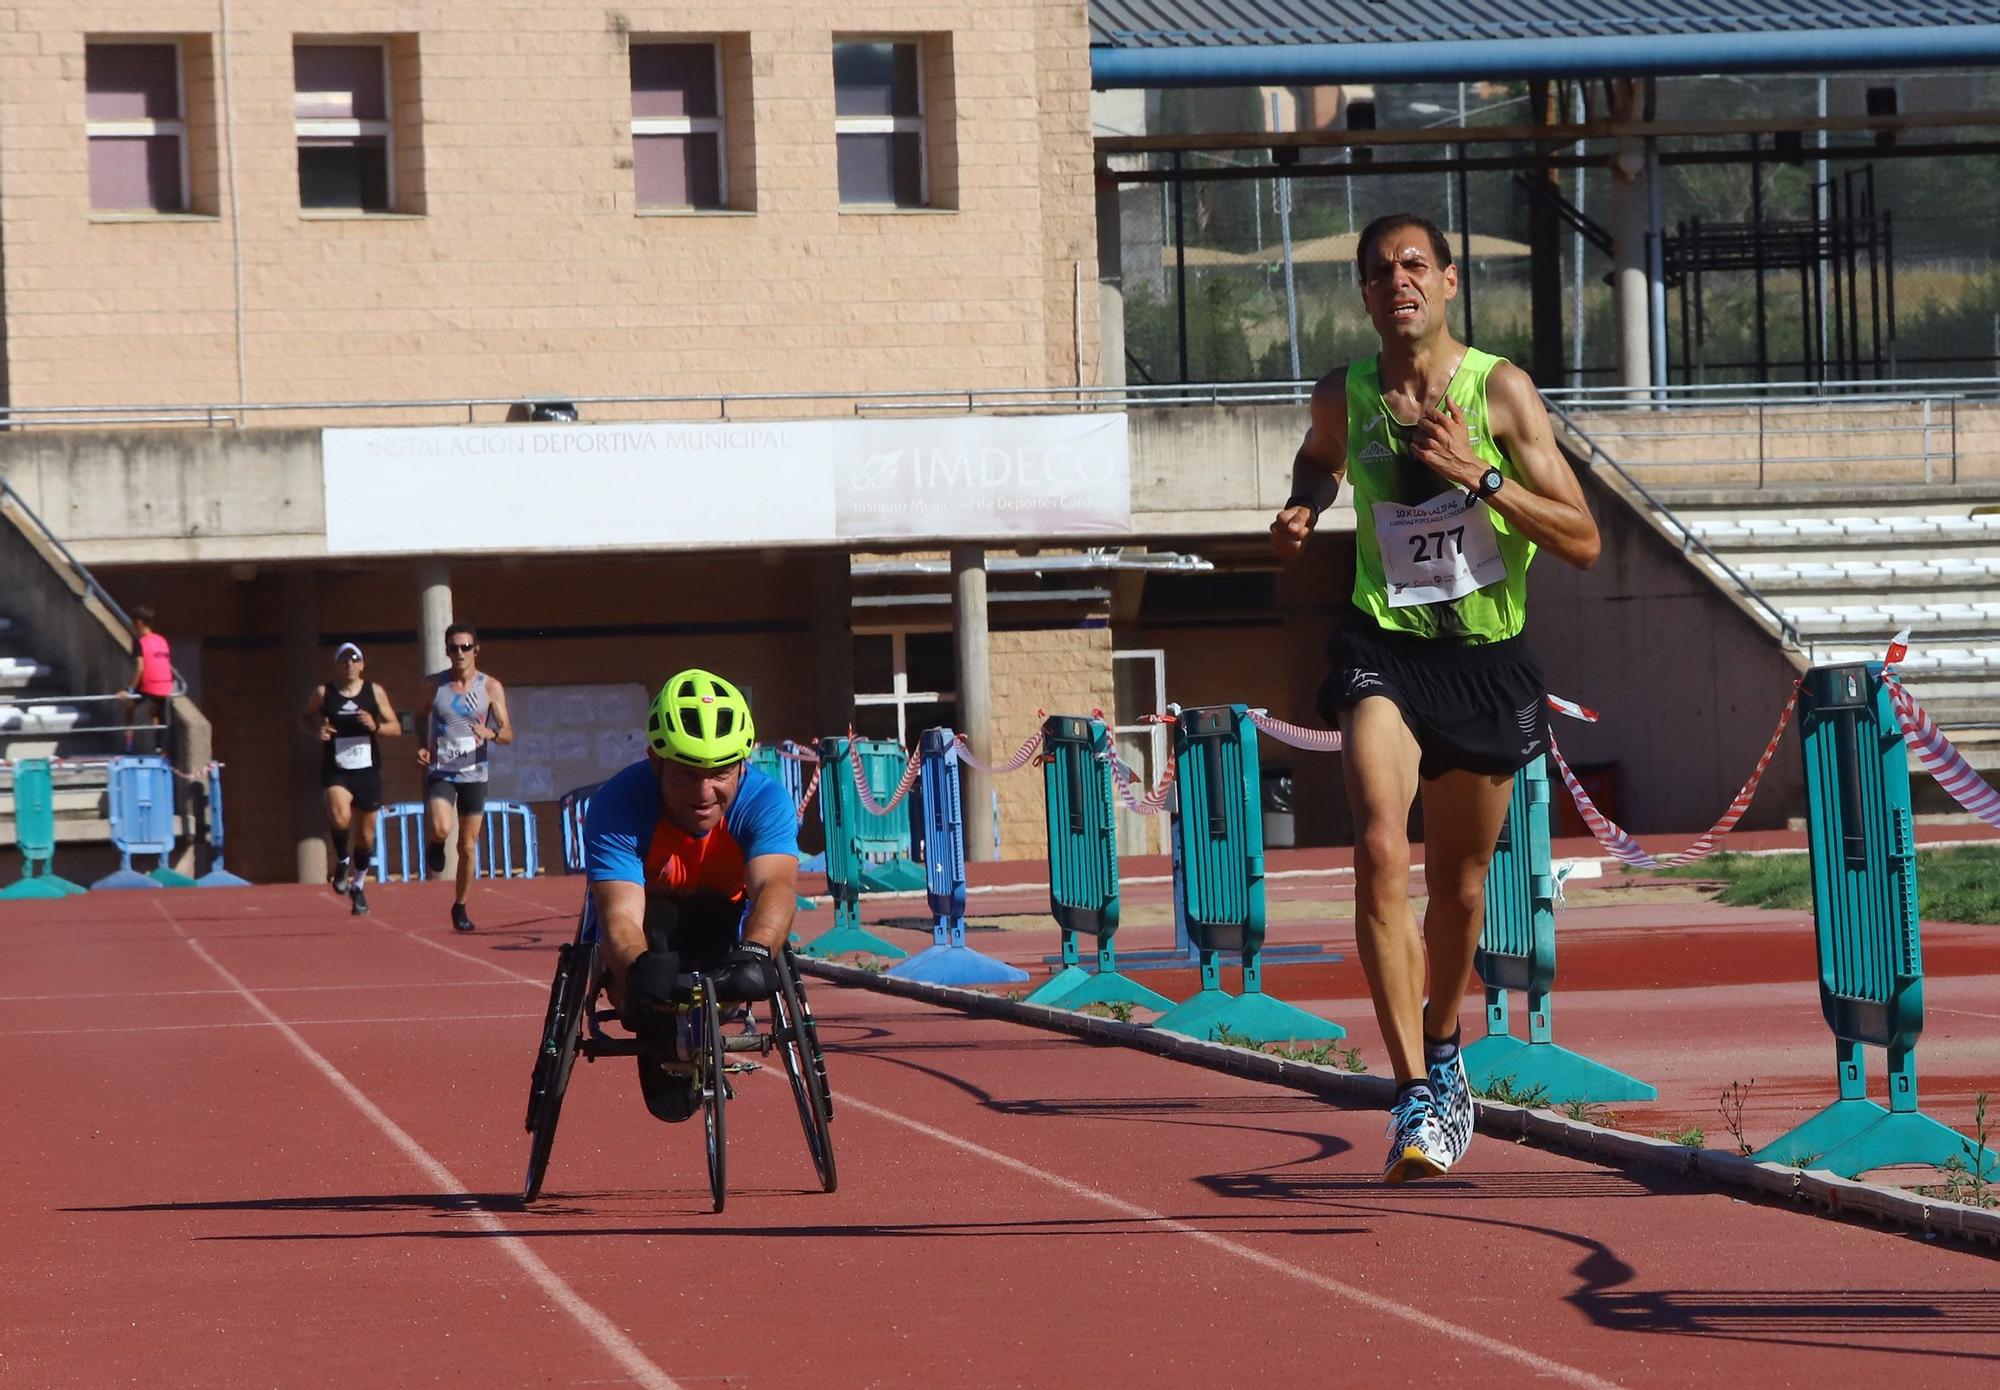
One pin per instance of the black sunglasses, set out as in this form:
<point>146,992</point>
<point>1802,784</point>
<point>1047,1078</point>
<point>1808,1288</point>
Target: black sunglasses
<point>461,646</point>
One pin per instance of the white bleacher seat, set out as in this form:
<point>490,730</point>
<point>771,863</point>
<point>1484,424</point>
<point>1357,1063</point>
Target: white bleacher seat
<point>1713,531</point>
<point>1912,525</point>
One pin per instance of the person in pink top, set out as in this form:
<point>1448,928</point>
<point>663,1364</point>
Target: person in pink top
<point>152,683</point>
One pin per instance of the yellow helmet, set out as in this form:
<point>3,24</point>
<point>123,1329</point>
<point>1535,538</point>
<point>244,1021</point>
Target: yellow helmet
<point>700,720</point>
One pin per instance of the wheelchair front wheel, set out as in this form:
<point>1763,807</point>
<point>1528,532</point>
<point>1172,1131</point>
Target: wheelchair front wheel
<point>805,1069</point>
<point>562,1028</point>
<point>715,1085</point>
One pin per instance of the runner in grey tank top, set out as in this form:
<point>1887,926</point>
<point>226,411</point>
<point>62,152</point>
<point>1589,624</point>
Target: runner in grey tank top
<point>458,753</point>
<point>467,710</point>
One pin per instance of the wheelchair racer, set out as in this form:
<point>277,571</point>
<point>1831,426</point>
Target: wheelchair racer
<point>692,858</point>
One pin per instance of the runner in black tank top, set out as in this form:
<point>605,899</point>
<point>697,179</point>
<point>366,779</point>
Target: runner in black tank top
<point>350,715</point>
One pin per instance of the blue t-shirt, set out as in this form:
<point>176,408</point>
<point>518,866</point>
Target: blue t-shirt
<point>628,839</point>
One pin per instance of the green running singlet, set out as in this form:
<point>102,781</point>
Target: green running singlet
<point>1426,564</point>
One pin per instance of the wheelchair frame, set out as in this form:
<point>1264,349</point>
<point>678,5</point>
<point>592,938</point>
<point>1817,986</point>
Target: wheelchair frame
<point>573,1027</point>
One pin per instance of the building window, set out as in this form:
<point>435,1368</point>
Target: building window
<point>903,684</point>
<point>878,110</point>
<point>678,155</point>
<point>341,112</point>
<point>137,127</point>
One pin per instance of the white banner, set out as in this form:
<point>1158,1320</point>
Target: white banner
<point>636,486</point>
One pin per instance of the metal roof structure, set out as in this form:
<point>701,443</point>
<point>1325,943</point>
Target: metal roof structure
<point>1138,43</point>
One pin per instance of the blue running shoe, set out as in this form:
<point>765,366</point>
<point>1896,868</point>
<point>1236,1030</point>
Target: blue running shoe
<point>1453,1096</point>
<point>1416,1148</point>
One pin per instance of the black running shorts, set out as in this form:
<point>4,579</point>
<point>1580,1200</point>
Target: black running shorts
<point>364,784</point>
<point>468,797</point>
<point>1472,707</point>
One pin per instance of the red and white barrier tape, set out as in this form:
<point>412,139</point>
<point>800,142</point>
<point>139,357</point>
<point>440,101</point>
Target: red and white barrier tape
<point>1624,848</point>
<point>1124,778</point>
<point>811,787</point>
<point>868,801</point>
<point>1934,753</point>
<point>1023,755</point>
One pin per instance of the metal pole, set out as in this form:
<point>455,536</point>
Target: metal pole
<point>1822,196</point>
<point>1874,278</point>
<point>1576,269</point>
<point>1657,292</point>
<point>1180,266</point>
<point>1291,283</point>
<point>1464,230</point>
<point>1889,284</point>
<point>975,687</point>
<point>1757,254</point>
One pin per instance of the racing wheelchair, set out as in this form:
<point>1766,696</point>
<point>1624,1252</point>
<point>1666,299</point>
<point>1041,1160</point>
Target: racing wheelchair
<point>696,1045</point>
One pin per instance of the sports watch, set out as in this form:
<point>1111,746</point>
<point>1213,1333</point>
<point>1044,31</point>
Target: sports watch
<point>1489,483</point>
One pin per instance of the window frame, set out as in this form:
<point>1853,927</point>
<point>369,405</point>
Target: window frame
<point>145,128</point>
<point>899,693</point>
<point>715,125</point>
<point>888,125</point>
<point>350,128</point>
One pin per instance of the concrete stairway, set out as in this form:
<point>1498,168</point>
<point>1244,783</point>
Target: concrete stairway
<point>1849,568</point>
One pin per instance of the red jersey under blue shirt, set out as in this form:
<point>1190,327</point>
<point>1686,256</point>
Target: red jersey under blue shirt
<point>628,839</point>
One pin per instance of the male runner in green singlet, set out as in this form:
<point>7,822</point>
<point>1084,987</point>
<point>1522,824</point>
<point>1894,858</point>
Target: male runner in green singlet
<point>1457,482</point>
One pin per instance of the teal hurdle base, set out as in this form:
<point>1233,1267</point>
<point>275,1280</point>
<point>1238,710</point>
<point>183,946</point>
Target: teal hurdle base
<point>1074,988</point>
<point>804,904</point>
<point>1562,1075</point>
<point>1252,1015</point>
<point>1850,1137</point>
<point>40,887</point>
<point>1263,1019</point>
<point>892,876</point>
<point>170,878</point>
<point>848,940</point>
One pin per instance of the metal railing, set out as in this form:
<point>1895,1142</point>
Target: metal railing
<point>1788,631</point>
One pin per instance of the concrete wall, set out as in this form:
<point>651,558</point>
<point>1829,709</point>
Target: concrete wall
<point>516,262</point>
<point>1779,445</point>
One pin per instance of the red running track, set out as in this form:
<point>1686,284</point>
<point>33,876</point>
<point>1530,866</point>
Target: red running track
<point>257,1142</point>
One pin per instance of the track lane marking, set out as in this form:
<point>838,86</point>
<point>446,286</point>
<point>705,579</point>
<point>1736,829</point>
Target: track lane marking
<point>256,1023</point>
<point>594,1323</point>
<point>1373,1302</point>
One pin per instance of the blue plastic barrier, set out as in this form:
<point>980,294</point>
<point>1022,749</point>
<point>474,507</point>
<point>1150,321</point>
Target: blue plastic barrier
<point>217,876</point>
<point>140,797</point>
<point>507,842</point>
<point>1083,867</point>
<point>1871,965</point>
<point>1517,950</point>
<point>35,834</point>
<point>1219,829</point>
<point>949,961</point>
<point>571,810</point>
<point>840,812</point>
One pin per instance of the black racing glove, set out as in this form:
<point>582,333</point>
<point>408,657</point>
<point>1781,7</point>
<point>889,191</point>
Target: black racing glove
<point>748,978</point>
<point>653,986</point>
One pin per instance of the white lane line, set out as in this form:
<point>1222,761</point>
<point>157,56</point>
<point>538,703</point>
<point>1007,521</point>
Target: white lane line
<point>269,989</point>
<point>1373,1302</point>
<point>595,1324</point>
<point>205,1027</point>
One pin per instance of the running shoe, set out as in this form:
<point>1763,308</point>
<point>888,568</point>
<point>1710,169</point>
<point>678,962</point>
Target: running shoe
<point>434,858</point>
<point>459,920</point>
<point>357,901</point>
<point>343,876</point>
<point>671,1096</point>
<point>1453,1094</point>
<point>1416,1149</point>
